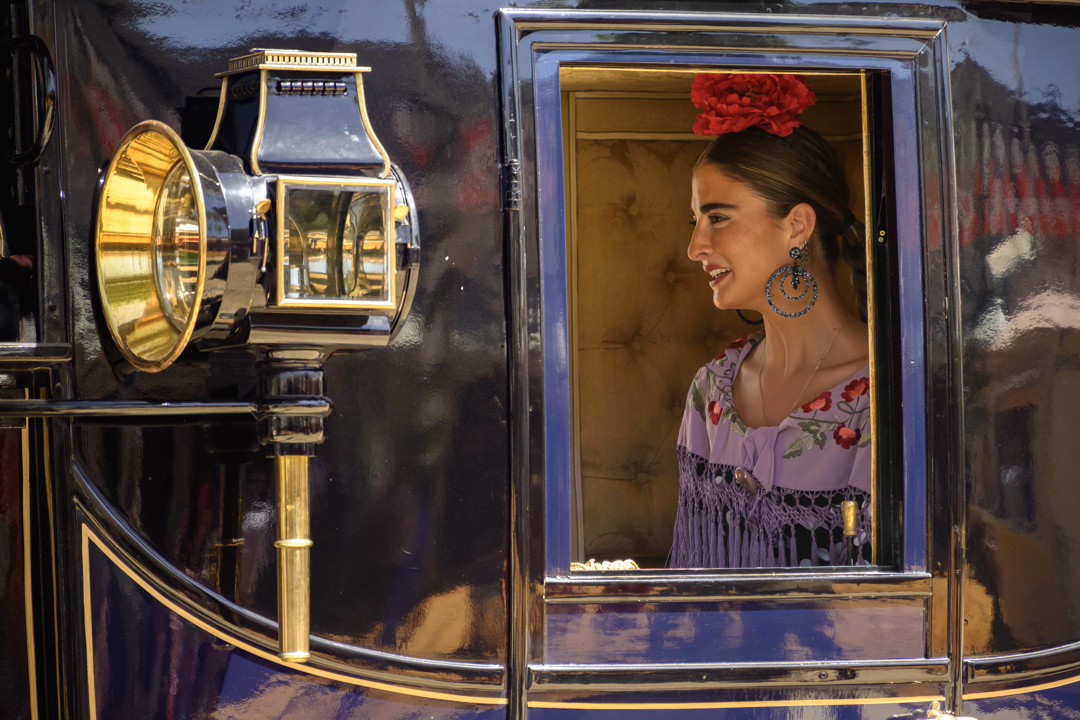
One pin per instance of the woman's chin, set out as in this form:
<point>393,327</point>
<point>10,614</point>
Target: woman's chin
<point>724,301</point>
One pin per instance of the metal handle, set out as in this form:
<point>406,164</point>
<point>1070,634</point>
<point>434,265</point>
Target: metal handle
<point>45,91</point>
<point>294,554</point>
<point>849,510</point>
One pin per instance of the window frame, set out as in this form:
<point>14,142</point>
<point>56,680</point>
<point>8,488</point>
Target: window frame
<point>555,310</point>
<point>914,52</point>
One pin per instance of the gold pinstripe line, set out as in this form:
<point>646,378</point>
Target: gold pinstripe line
<point>1021,691</point>
<point>733,704</point>
<point>91,684</point>
<point>28,585</point>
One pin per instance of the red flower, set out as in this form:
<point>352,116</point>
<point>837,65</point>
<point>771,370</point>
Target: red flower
<point>714,412</point>
<point>735,345</point>
<point>734,102</point>
<point>821,402</point>
<point>856,388</point>
<point>846,437</point>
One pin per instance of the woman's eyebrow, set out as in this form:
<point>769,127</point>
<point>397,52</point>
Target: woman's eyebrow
<point>709,207</point>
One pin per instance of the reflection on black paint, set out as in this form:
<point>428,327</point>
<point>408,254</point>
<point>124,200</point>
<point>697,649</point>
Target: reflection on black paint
<point>409,491</point>
<point>14,668</point>
<point>1019,212</point>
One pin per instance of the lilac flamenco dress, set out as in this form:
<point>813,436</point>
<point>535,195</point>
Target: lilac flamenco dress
<point>770,496</point>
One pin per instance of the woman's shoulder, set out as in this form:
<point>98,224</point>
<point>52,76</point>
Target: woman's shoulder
<point>712,385</point>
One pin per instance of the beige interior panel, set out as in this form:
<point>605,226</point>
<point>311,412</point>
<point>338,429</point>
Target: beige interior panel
<point>636,114</point>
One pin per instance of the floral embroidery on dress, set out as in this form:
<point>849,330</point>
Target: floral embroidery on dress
<point>720,375</point>
<point>714,410</point>
<point>856,388</point>
<point>846,437</point>
<point>822,402</point>
<point>848,424</point>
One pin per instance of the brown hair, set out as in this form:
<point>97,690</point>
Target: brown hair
<point>798,168</point>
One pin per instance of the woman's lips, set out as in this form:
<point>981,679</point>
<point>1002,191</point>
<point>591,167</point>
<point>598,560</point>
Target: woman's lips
<point>719,278</point>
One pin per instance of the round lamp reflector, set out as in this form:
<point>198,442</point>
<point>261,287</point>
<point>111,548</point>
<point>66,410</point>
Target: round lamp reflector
<point>150,246</point>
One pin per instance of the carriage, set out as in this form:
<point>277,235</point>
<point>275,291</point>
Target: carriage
<point>344,346</point>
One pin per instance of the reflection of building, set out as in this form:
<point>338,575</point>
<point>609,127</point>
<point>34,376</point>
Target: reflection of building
<point>1019,192</point>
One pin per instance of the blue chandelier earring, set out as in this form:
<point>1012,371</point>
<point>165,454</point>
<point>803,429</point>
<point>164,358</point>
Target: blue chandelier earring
<point>794,274</point>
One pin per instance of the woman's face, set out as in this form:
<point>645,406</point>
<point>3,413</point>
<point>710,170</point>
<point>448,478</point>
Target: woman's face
<point>737,241</point>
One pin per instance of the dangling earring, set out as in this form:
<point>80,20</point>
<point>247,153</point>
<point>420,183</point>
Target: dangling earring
<point>798,274</point>
<point>747,320</point>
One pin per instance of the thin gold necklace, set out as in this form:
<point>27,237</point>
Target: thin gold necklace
<point>761,393</point>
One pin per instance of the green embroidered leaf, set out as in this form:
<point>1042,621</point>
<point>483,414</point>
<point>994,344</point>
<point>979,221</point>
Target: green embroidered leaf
<point>865,440</point>
<point>795,449</point>
<point>738,426</point>
<point>699,402</point>
<point>819,440</point>
<point>810,426</point>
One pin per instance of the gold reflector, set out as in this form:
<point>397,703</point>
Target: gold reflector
<point>151,246</point>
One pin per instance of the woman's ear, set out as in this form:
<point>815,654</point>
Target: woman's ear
<point>801,220</point>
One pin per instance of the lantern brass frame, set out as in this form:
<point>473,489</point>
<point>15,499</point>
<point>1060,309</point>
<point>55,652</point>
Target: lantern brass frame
<point>285,182</point>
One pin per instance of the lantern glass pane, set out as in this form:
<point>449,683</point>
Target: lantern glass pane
<point>336,245</point>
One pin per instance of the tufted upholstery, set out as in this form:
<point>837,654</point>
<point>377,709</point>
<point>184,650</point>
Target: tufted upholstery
<point>643,318</point>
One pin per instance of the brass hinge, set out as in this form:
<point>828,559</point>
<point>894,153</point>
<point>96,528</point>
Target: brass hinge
<point>513,185</point>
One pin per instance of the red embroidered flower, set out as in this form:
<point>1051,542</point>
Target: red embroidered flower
<point>821,402</point>
<point>734,102</point>
<point>855,388</point>
<point>735,345</point>
<point>846,437</point>
<point>714,412</point>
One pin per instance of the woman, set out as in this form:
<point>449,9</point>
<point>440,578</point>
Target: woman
<point>775,434</point>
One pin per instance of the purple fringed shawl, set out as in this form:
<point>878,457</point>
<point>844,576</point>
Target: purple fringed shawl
<point>722,525</point>
<point>793,476</point>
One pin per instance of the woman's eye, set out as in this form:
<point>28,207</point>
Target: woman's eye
<point>717,219</point>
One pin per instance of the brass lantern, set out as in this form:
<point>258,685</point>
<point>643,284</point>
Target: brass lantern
<point>291,214</point>
<point>292,234</point>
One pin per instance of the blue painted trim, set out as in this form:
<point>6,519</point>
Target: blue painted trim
<point>910,243</point>
<point>555,314</point>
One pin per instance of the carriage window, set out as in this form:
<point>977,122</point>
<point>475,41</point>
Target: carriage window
<point>642,321</point>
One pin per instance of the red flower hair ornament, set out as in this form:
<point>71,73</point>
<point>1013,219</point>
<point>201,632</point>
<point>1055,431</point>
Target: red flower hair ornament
<point>734,102</point>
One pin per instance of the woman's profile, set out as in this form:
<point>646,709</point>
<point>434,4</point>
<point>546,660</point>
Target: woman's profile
<point>775,434</point>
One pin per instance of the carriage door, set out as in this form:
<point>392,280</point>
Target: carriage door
<point>599,153</point>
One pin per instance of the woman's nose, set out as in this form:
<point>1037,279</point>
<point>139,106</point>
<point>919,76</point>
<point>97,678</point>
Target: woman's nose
<point>698,247</point>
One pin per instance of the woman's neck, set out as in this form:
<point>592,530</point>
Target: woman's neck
<point>795,344</point>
